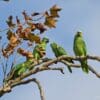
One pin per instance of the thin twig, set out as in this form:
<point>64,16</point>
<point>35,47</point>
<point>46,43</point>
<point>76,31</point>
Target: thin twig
<point>5,70</point>
<point>94,71</point>
<point>97,58</point>
<point>40,89</point>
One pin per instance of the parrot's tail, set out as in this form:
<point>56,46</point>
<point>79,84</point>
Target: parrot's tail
<point>69,67</point>
<point>85,66</point>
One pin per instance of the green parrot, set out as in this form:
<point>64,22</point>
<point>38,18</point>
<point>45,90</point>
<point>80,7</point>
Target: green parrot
<point>19,69</point>
<point>80,50</point>
<point>59,51</point>
<point>40,49</point>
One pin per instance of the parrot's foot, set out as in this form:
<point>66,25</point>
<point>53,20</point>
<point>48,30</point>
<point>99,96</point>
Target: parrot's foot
<point>46,59</point>
<point>56,61</point>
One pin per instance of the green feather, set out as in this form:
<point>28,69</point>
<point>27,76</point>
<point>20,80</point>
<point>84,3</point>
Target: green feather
<point>59,51</point>
<point>80,50</point>
<point>19,69</point>
<point>39,47</point>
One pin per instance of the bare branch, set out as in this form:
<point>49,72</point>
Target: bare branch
<point>38,84</point>
<point>45,66</point>
<point>12,83</point>
<point>78,66</point>
<point>94,71</point>
<point>50,62</point>
<point>7,88</point>
<point>97,58</point>
<point>40,88</point>
<point>36,70</point>
<point>3,68</point>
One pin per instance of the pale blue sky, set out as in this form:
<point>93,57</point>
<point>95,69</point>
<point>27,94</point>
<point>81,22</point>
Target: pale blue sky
<point>76,15</point>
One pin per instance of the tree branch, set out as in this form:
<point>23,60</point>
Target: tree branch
<point>94,71</point>
<point>97,58</point>
<point>38,84</point>
<point>7,89</point>
<point>40,89</point>
<point>45,66</point>
<point>12,83</point>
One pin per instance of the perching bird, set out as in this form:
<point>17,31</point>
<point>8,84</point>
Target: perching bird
<point>80,49</point>
<point>40,49</point>
<point>59,51</point>
<point>18,70</point>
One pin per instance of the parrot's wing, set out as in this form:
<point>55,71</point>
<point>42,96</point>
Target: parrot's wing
<point>54,49</point>
<point>79,47</point>
<point>84,47</point>
<point>80,50</point>
<point>61,51</point>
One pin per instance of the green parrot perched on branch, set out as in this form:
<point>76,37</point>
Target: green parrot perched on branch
<point>80,50</point>
<point>40,49</point>
<point>38,52</point>
<point>59,51</point>
<point>19,69</point>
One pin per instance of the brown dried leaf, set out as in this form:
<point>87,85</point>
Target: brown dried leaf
<point>50,22</point>
<point>19,29</point>
<point>24,33</point>
<point>35,14</point>
<point>9,34</point>
<point>40,27</point>
<point>34,38</point>
<point>13,39</point>
<point>26,16</point>
<point>18,21</point>
<point>4,53</point>
<point>13,42</point>
<point>8,50</point>
<point>21,51</point>
<point>46,14</point>
<point>27,35</point>
<point>27,54</point>
<point>31,25</point>
<point>10,22</point>
<point>54,11</point>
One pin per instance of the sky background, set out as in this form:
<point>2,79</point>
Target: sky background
<point>76,15</point>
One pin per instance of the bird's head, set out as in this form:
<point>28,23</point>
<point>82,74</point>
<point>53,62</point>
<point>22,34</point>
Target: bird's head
<point>53,45</point>
<point>46,40</point>
<point>79,34</point>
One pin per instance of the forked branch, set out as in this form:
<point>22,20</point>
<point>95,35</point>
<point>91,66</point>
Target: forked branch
<point>44,66</point>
